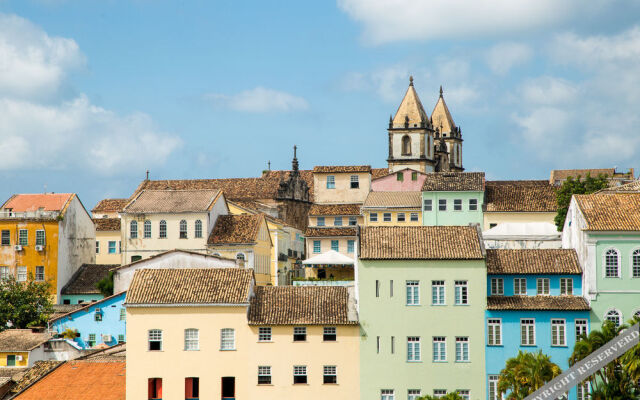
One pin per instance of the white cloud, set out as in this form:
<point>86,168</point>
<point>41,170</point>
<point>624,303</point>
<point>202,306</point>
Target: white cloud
<point>593,51</point>
<point>548,90</point>
<point>259,100</point>
<point>504,56</point>
<point>39,130</point>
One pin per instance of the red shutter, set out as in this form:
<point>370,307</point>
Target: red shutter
<point>159,388</point>
<point>188,388</point>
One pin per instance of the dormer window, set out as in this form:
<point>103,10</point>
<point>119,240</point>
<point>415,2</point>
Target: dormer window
<point>406,145</point>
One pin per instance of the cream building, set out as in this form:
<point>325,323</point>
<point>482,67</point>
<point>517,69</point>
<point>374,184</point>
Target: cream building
<point>155,221</point>
<point>519,202</point>
<point>341,184</point>
<point>108,241</point>
<point>393,209</point>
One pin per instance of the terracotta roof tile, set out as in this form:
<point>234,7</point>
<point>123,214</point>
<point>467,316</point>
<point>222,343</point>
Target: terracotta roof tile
<point>520,196</point>
<point>84,280</point>
<point>420,243</point>
<point>610,212</point>
<point>233,189</point>
<point>283,175</point>
<point>562,174</point>
<point>33,374</point>
<point>335,209</point>
<point>300,305</point>
<point>454,181</point>
<point>110,205</point>
<point>107,224</point>
<point>236,229</point>
<point>393,200</point>
<point>21,339</point>
<point>341,168</point>
<point>190,286</point>
<point>172,201</point>
<point>329,232</point>
<point>631,187</point>
<point>34,202</point>
<point>379,172</point>
<point>533,261</point>
<point>537,303</point>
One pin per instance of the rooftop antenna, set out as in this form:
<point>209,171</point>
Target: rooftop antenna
<point>269,165</point>
<point>147,175</point>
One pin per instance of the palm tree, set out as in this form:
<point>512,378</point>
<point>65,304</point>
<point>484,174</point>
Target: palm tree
<point>526,373</point>
<point>448,396</point>
<point>631,359</point>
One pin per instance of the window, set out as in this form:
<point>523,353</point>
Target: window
<point>316,246</point>
<point>413,348</point>
<point>331,182</point>
<point>6,237</point>
<point>335,245</point>
<point>494,332</point>
<point>464,393</point>
<point>112,247</point>
<point>414,217</point>
<point>543,286</point>
<point>635,264</point>
<point>377,288</point>
<point>439,349</point>
<point>378,344</point>
<point>528,332</point>
<point>40,237</point>
<point>97,247</point>
<point>400,217</point>
<point>414,394</point>
<point>493,388</point>
<point>414,176</point>
<point>183,229</point>
<point>155,388</point>
<point>583,391</point>
<point>457,205</point>
<point>353,221</point>
<point>39,273</point>
<point>386,217</point>
<point>558,332</point>
<point>191,339</point>
<point>264,375</point>
<point>373,217</point>
<point>264,334</point>
<point>97,316</point>
<point>442,204</point>
<point>611,262</point>
<point>473,204</point>
<point>428,205</point>
<point>437,393</point>
<point>155,340</point>
<point>4,273</point>
<point>22,274</point>
<point>121,339</point>
<point>387,394</point>
<point>198,229</point>
<point>163,229</point>
<point>497,287</point>
<point>462,349</point>
<point>406,145</point>
<point>437,293</point>
<point>462,293</point>
<point>351,246</point>
<point>337,221</point>
<point>566,286</point>
<point>581,328</point>
<point>241,258</point>
<point>191,388</point>
<point>413,293</point>
<point>520,286</point>
<point>614,316</point>
<point>147,229</point>
<point>91,340</point>
<point>133,229</point>
<point>399,176</point>
<point>320,221</point>
<point>299,334</point>
<point>23,237</point>
<point>355,183</point>
<point>300,374</point>
<point>227,339</point>
<point>329,334</point>
<point>123,314</point>
<point>492,226</point>
<point>329,374</point>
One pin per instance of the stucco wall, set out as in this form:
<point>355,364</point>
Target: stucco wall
<point>391,183</point>
<point>435,217</point>
<point>104,257</point>
<point>520,217</point>
<point>394,217</point>
<point>342,192</point>
<point>325,245</point>
<point>330,220</point>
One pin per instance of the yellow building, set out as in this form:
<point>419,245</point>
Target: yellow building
<point>335,215</point>
<point>211,334</point>
<point>45,237</point>
<point>347,184</point>
<point>393,209</point>
<point>519,202</point>
<point>108,241</point>
<point>21,347</point>
<point>245,238</point>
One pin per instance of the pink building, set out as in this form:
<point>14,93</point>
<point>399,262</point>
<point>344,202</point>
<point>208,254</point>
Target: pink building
<point>405,180</point>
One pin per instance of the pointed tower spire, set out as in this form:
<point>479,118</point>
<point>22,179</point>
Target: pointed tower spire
<point>410,109</point>
<point>441,116</point>
<point>294,163</point>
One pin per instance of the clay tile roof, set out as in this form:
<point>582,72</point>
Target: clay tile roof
<point>538,303</point>
<point>80,380</point>
<point>84,280</point>
<point>329,232</point>
<point>335,209</point>
<point>533,261</point>
<point>411,108</point>
<point>233,189</point>
<point>379,172</point>
<point>520,196</point>
<point>107,224</point>
<point>610,212</point>
<point>393,200</point>
<point>190,286</point>
<point>341,168</point>
<point>300,305</point>
<point>562,174</point>
<point>420,243</point>
<point>454,181</point>
<point>33,374</point>
<point>35,202</point>
<point>283,175</point>
<point>21,339</point>
<point>631,187</point>
<point>236,229</point>
<point>110,205</point>
<point>172,201</point>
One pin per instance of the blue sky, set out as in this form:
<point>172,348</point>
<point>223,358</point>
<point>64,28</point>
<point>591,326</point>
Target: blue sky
<point>93,93</point>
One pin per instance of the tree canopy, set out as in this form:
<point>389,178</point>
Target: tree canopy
<point>526,373</point>
<point>24,304</point>
<point>576,186</point>
<point>105,285</point>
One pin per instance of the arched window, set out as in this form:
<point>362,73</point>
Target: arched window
<point>635,263</point>
<point>133,231</point>
<point>611,264</point>
<point>406,145</point>
<point>183,229</point>
<point>198,232</point>
<point>147,229</point>
<point>614,316</point>
<point>163,229</point>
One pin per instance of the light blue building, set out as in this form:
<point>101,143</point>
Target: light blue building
<point>453,198</point>
<point>102,322</point>
<point>535,303</point>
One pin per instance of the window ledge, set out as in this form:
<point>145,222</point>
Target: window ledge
<point>227,349</point>
<point>265,341</point>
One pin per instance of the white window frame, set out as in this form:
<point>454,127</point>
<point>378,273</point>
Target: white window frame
<point>414,351</point>
<point>300,330</point>
<point>540,284</point>
<point>464,393</point>
<point>558,332</point>
<point>264,371</point>
<point>386,217</point>
<point>162,230</point>
<point>191,339</point>
<point>494,394</point>
<point>473,204</point>
<point>329,331</point>
<point>227,339</point>
<point>146,231</point>
<point>527,323</point>
<point>317,249</point>
<point>133,229</point>
<point>439,349</point>
<point>438,393</point>
<point>21,273</point>
<point>427,205</point>
<point>387,394</point>
<point>300,370</point>
<point>197,229</point>
<point>492,325</point>
<point>331,182</point>
<point>337,221</point>
<point>40,241</point>
<point>634,268</point>
<point>413,292</point>
<point>401,217</point>
<point>373,217</point>
<point>581,326</point>
<point>155,335</point>
<point>329,371</point>
<point>620,320</point>
<point>604,263</point>
<point>462,346</point>
<point>351,246</point>
<point>499,284</point>
<point>517,284</point>
<point>115,249</point>
<point>353,221</point>
<point>264,334</point>
<point>566,286</point>
<point>442,204</point>
<point>414,217</point>
<point>183,228</point>
<point>461,293</point>
<point>414,394</point>
<point>438,293</point>
<point>352,180</point>
<point>5,272</point>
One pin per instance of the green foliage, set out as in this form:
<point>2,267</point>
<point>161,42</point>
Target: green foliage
<point>24,304</point>
<point>69,334</point>
<point>526,373</point>
<point>448,396</point>
<point>313,279</point>
<point>576,186</point>
<point>105,285</point>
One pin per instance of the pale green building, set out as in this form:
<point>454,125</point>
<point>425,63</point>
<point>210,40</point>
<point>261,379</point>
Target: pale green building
<point>453,198</point>
<point>422,296</point>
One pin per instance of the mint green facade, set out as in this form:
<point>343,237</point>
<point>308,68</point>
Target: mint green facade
<point>386,321</point>
<point>452,217</point>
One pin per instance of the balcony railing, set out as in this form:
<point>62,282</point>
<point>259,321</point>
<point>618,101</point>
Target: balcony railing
<point>30,214</point>
<point>324,282</point>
